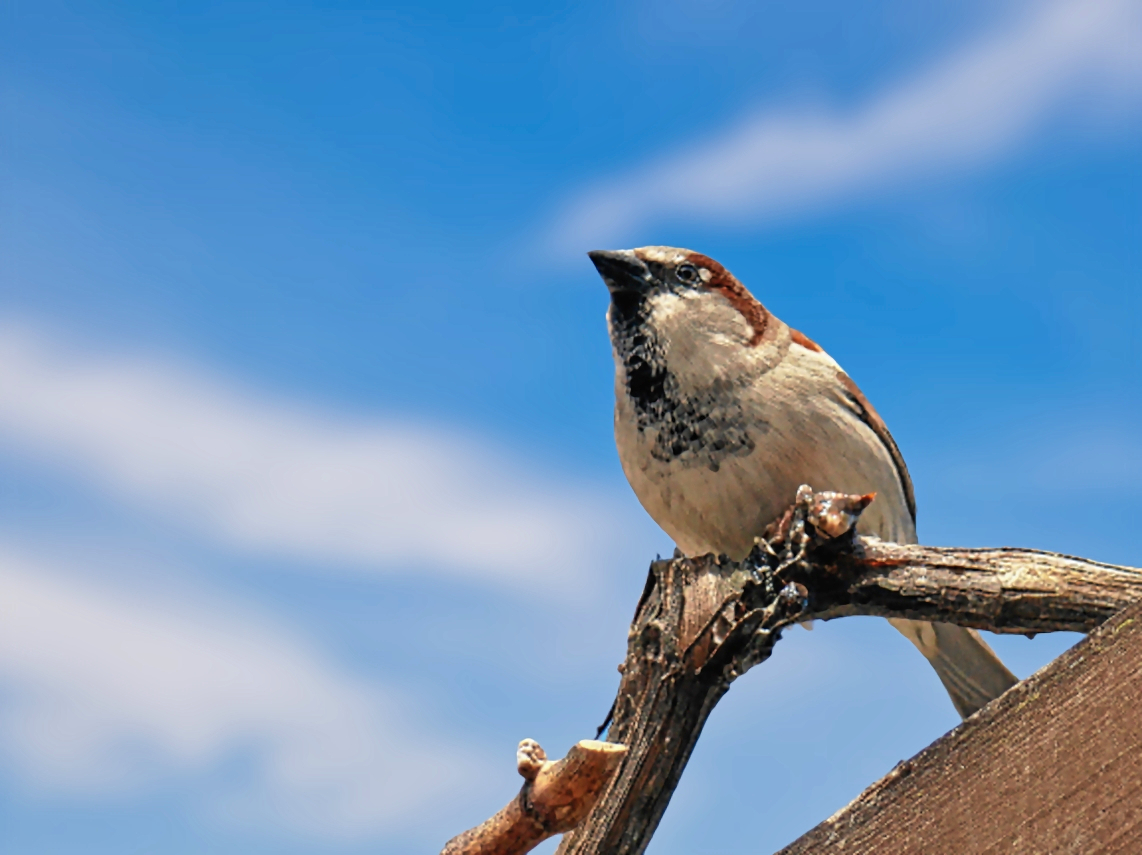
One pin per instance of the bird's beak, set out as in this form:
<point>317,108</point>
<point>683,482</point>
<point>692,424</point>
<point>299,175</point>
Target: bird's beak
<point>622,270</point>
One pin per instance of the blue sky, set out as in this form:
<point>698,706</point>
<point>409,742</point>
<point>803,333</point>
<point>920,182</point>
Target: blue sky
<point>309,508</point>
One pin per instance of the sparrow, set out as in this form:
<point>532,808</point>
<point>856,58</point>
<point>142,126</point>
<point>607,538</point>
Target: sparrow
<point>722,411</point>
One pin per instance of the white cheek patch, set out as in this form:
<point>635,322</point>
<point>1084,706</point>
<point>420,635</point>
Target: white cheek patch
<point>702,313</point>
<point>665,305</point>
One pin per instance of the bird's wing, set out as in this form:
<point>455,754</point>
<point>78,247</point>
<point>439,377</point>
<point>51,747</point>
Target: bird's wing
<point>868,414</point>
<point>858,403</point>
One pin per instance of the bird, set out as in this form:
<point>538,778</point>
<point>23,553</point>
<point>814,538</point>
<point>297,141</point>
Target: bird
<point>722,411</point>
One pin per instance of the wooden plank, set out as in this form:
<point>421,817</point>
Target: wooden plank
<point>1053,767</point>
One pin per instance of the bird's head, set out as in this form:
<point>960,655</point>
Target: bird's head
<point>678,289</point>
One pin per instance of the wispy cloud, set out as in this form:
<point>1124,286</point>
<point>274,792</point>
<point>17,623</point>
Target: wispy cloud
<point>106,691</point>
<point>289,481</point>
<point>972,107</point>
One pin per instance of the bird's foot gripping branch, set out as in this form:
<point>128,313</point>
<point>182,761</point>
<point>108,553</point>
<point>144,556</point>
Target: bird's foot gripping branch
<point>775,586</point>
<point>784,569</point>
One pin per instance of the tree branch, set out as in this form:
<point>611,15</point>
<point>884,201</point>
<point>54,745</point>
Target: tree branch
<point>554,798</point>
<point>1003,590</point>
<point>703,622</point>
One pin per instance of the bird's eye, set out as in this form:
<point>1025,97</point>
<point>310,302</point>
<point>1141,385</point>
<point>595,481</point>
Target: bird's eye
<point>687,273</point>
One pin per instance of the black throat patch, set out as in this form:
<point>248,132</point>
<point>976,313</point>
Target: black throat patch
<point>699,428</point>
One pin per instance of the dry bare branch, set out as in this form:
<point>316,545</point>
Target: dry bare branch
<point>554,799</point>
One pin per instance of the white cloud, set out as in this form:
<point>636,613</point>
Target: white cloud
<point>973,106</point>
<point>106,691</point>
<point>289,481</point>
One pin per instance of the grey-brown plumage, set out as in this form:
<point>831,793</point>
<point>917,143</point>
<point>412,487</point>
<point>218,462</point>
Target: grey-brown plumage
<point>722,411</point>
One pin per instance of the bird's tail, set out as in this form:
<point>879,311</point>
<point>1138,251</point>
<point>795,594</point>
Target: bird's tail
<point>968,668</point>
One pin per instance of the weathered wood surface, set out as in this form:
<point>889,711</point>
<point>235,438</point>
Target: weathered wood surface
<point>1053,767</point>
<point>555,797</point>
<point>701,623</point>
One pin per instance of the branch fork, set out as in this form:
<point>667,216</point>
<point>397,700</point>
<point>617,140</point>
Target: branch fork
<point>703,622</point>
